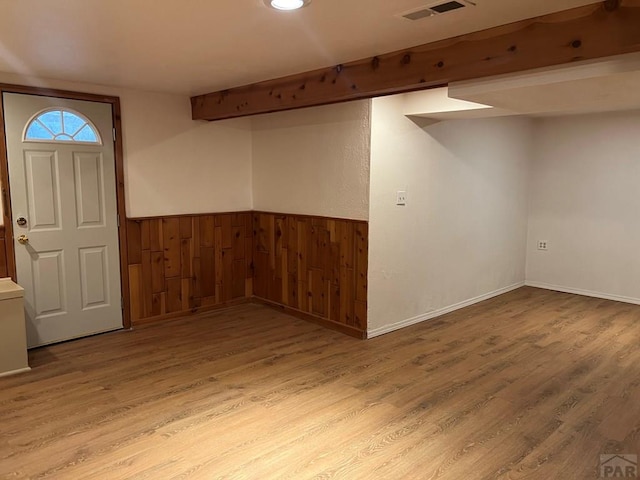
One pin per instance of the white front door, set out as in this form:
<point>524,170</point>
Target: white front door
<point>64,213</point>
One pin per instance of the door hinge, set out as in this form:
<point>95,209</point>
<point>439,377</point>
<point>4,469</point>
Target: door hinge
<point>118,219</point>
<point>121,303</point>
<point>114,134</point>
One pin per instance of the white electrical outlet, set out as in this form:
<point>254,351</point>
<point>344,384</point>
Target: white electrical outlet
<point>543,245</point>
<point>401,198</point>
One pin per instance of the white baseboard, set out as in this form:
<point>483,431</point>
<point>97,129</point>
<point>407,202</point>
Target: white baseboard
<point>15,372</point>
<point>442,311</point>
<point>586,293</point>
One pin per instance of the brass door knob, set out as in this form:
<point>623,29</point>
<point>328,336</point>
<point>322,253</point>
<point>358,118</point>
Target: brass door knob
<point>23,239</point>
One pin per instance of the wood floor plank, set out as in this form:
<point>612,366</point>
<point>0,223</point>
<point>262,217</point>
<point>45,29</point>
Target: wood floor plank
<point>529,385</point>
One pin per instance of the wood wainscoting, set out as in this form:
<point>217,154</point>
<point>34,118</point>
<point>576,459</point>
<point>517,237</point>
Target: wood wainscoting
<point>4,260</point>
<point>315,266</point>
<point>188,263</point>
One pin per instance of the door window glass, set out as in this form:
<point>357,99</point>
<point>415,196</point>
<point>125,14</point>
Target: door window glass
<point>61,125</point>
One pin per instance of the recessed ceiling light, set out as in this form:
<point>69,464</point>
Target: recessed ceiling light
<point>287,4</point>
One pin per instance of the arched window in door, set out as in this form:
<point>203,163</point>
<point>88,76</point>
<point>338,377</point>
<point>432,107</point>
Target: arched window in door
<point>61,125</point>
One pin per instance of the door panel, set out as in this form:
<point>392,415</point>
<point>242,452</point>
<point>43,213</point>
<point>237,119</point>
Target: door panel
<point>94,276</point>
<point>69,265</point>
<point>43,190</point>
<point>49,291</point>
<point>88,168</point>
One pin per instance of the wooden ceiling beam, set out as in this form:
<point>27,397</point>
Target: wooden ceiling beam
<point>590,32</point>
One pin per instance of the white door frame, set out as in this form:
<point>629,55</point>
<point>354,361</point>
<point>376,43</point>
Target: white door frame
<point>5,188</point>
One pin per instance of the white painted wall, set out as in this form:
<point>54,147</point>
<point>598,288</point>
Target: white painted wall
<point>463,233</point>
<point>313,161</point>
<point>585,201</point>
<point>174,165</point>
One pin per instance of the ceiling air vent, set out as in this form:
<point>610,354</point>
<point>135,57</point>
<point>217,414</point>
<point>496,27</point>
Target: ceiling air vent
<point>436,9</point>
<point>447,7</point>
<point>417,15</point>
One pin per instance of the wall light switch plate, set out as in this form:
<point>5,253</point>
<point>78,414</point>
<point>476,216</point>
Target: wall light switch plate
<point>401,198</point>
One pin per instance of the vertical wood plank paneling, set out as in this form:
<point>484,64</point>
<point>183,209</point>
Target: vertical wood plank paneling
<point>239,240</point>
<point>317,291</point>
<point>174,295</point>
<point>135,291</point>
<point>134,242</point>
<point>155,234</point>
<point>156,305</point>
<point>181,263</point>
<point>186,266</point>
<point>334,302</point>
<point>187,299</point>
<point>186,227</point>
<point>346,296</point>
<point>195,235</point>
<point>360,315</point>
<point>196,280</point>
<point>310,264</point>
<point>301,269</point>
<point>346,244</point>
<point>226,283</point>
<point>226,230</point>
<point>313,265</point>
<point>285,276</point>
<point>238,280</point>
<point>292,295</point>
<point>206,231</point>
<point>361,261</point>
<point>278,245</point>
<point>147,284</point>
<point>171,244</point>
<point>245,220</point>
<point>207,287</point>
<point>145,236</point>
<point>219,265</point>
<point>261,269</point>
<point>271,239</point>
<point>157,272</point>
<point>292,246</point>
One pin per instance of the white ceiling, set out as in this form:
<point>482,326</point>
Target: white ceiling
<point>197,46</point>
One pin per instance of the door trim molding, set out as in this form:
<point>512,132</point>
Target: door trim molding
<point>120,190</point>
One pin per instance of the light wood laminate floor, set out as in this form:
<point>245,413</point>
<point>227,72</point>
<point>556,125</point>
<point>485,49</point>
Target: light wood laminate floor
<point>530,385</point>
